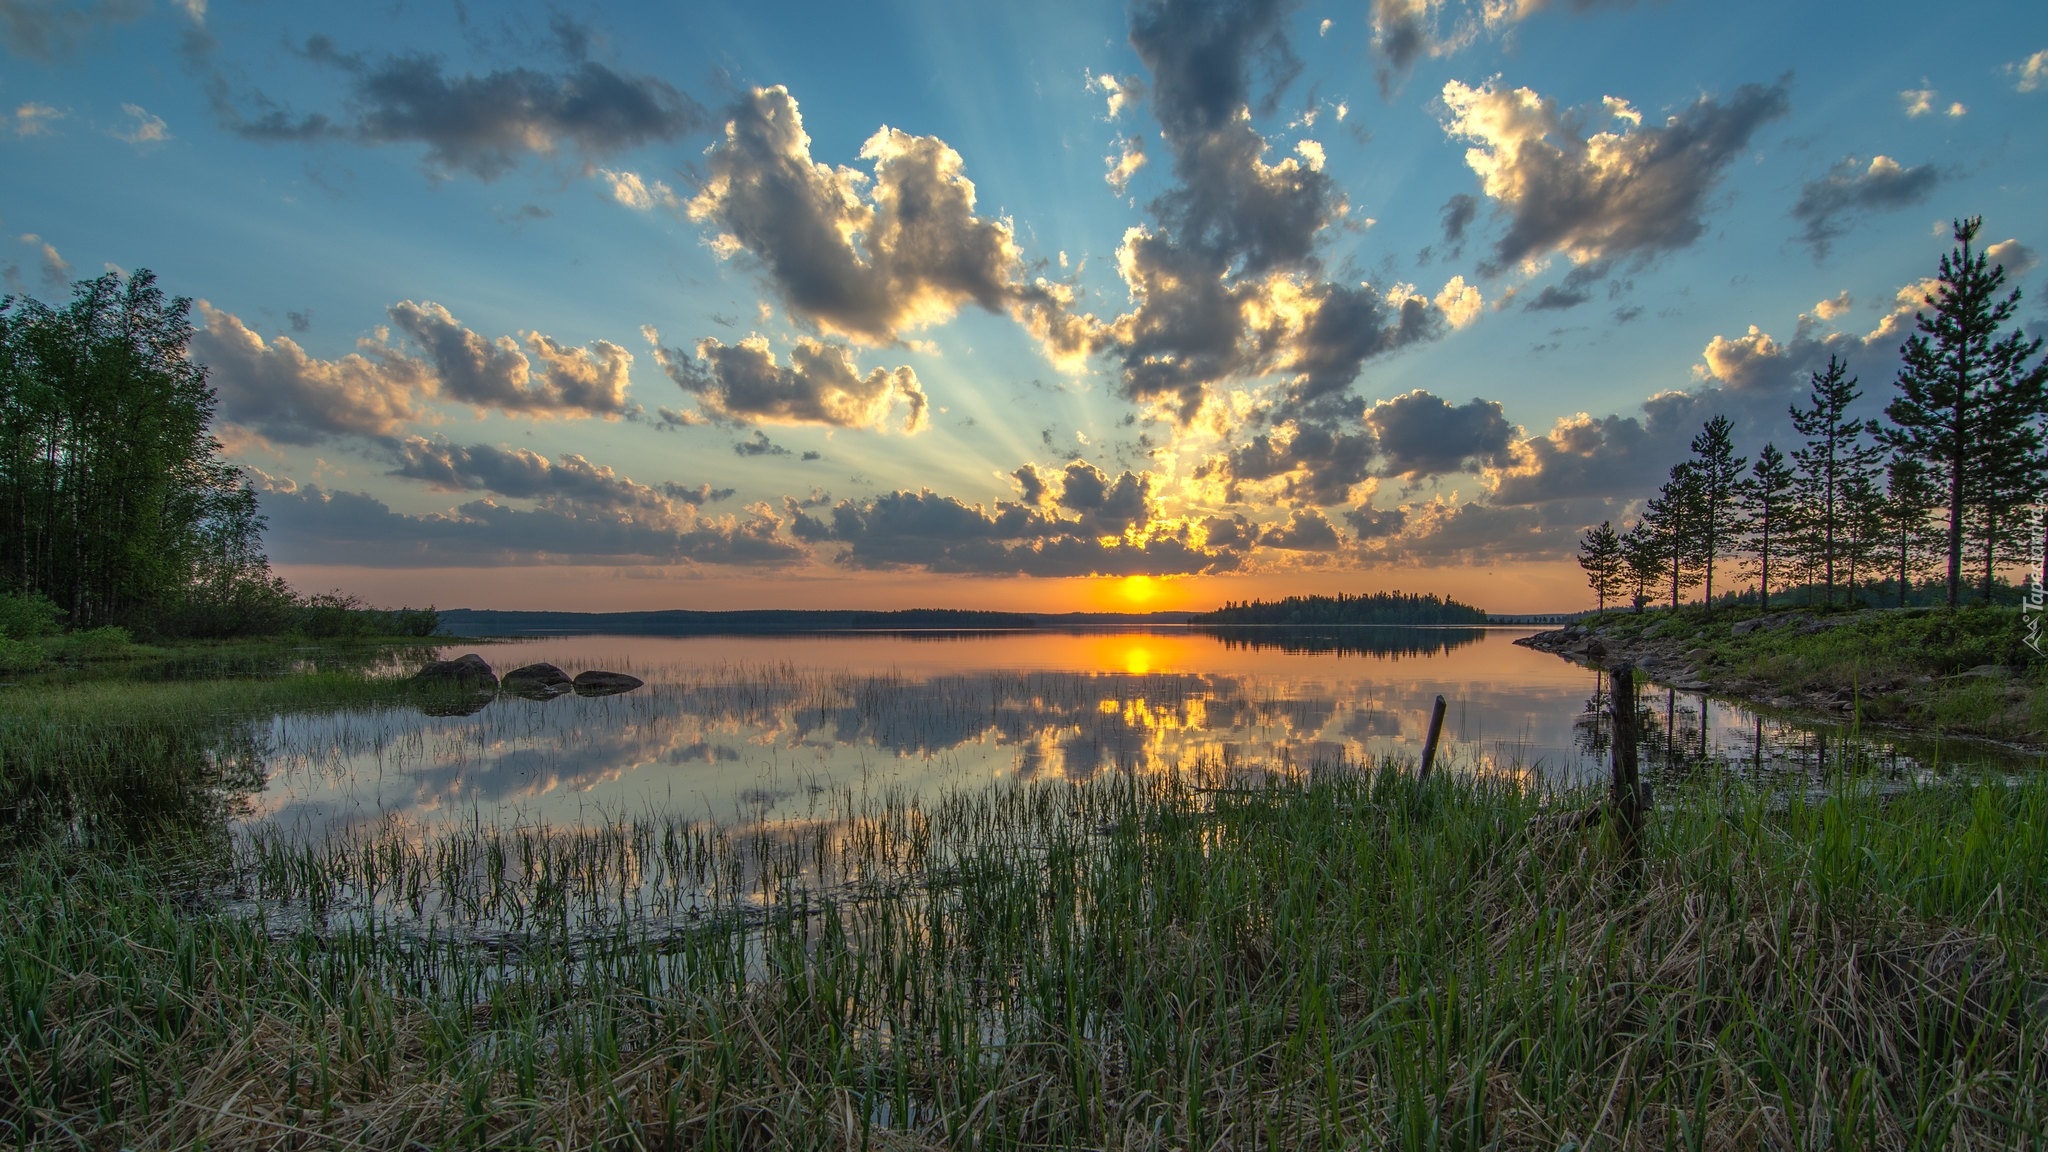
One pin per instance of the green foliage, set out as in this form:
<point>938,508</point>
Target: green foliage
<point>1351,960</point>
<point>1969,405</point>
<point>26,616</point>
<point>116,500</point>
<point>1600,556</point>
<point>1343,608</point>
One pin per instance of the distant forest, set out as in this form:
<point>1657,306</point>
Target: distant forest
<point>1318,611</point>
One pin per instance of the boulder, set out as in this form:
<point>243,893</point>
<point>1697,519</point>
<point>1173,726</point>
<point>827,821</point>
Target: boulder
<point>600,683</point>
<point>536,682</point>
<point>465,671</point>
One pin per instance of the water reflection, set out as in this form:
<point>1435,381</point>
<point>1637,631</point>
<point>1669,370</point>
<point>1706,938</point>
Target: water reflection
<point>754,727</point>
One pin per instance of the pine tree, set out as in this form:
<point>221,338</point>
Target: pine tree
<point>1766,503</point>
<point>1675,515</point>
<point>1910,498</point>
<point>1835,458</point>
<point>1717,473</point>
<point>1600,556</point>
<point>1642,553</point>
<point>1969,404</point>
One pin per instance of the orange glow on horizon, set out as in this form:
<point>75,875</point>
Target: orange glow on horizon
<point>1556,586</point>
<point>1139,590</point>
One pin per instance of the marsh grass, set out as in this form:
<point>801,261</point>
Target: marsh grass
<point>1189,959</point>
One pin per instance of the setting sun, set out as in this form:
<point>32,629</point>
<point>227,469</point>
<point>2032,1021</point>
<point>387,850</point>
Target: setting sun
<point>1139,589</point>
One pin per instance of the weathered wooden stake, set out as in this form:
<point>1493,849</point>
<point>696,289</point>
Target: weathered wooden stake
<point>1627,798</point>
<point>1436,728</point>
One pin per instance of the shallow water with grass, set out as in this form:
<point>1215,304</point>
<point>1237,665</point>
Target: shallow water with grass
<point>1133,890</point>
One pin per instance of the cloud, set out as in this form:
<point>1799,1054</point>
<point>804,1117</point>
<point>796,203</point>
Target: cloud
<point>1118,92</point>
<point>49,29</point>
<point>480,124</point>
<point>760,445</point>
<point>275,388</point>
<point>1306,530</point>
<point>56,271</point>
<point>1458,213</point>
<point>2032,73</point>
<point>32,119</point>
<point>1575,289</point>
<point>629,189</point>
<point>1421,435</point>
<point>938,533</point>
<point>143,128</point>
<point>865,256</point>
<point>2017,258</point>
<point>309,525</point>
<point>743,384</point>
<point>521,473</point>
<point>1300,463</point>
<point>1826,205</point>
<point>1917,101</point>
<point>1459,302</point>
<point>1107,507</point>
<point>497,374</point>
<point>1628,192</point>
<point>1124,162</point>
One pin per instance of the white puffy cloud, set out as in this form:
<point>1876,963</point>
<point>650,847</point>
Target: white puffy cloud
<point>497,373</point>
<point>2030,74</point>
<point>742,383</point>
<point>1460,302</point>
<point>278,390</point>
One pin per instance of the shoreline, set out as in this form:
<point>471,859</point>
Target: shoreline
<point>1777,660</point>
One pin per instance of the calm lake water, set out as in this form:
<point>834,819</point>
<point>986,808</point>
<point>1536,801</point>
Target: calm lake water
<point>762,728</point>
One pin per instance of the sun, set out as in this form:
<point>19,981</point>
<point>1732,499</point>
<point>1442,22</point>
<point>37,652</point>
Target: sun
<point>1139,589</point>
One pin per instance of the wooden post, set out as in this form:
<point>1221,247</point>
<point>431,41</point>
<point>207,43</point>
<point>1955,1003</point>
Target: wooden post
<point>1436,728</point>
<point>1627,796</point>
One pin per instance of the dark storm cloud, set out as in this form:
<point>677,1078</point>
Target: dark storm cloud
<point>1629,192</point>
<point>47,30</point>
<point>1829,204</point>
<point>309,525</point>
<point>1421,435</point>
<point>743,384</point>
<point>482,124</point>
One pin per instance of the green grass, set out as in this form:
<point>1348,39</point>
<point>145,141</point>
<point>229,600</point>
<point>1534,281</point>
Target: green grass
<point>1902,668</point>
<point>1345,960</point>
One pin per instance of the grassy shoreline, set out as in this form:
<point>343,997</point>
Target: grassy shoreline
<point>1173,961</point>
<point>1968,673</point>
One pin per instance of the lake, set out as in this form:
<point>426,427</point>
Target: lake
<point>770,728</point>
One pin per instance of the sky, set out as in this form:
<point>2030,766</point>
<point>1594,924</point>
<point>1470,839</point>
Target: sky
<point>1043,307</point>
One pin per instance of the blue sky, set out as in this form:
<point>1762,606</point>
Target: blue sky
<point>796,305</point>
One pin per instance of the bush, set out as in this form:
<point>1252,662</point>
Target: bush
<point>28,616</point>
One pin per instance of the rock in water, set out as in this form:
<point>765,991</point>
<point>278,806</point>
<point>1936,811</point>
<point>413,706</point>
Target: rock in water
<point>465,671</point>
<point>597,683</point>
<point>537,682</point>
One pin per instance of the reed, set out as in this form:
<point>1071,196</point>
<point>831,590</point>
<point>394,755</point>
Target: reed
<point>1190,958</point>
